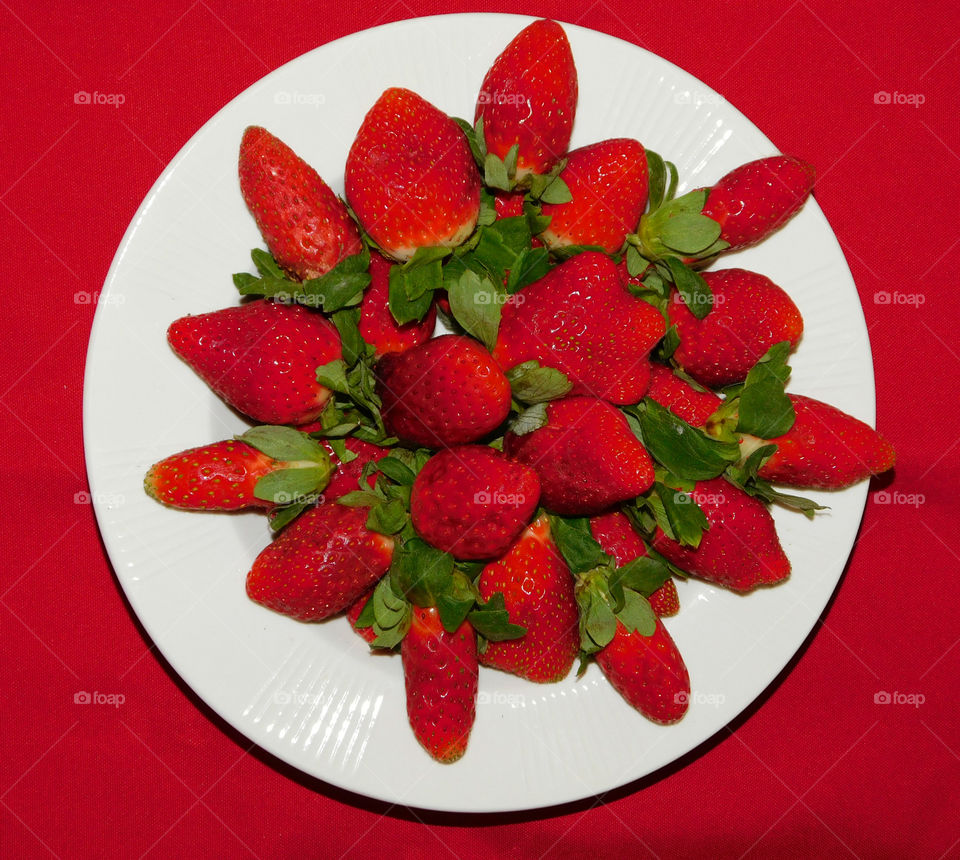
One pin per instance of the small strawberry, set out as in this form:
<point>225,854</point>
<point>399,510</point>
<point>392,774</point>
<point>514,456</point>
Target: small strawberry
<point>739,549</point>
<point>320,564</point>
<point>261,358</point>
<point>648,672</point>
<point>410,176</point>
<point>680,397</point>
<point>305,225</point>
<point>538,592</point>
<point>587,457</point>
<point>346,476</point>
<point>529,98</point>
<point>608,181</point>
<point>447,391</point>
<point>757,198</point>
<point>618,539</point>
<point>472,501</point>
<point>440,673</point>
<point>224,476</point>
<point>377,325</point>
<point>825,449</point>
<point>750,313</point>
<point>581,320</point>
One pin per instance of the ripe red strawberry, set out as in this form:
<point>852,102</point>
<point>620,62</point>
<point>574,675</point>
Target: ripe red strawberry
<point>825,449</point>
<point>377,325</point>
<point>618,539</point>
<point>346,477</point>
<point>757,198</point>
<point>305,225</point>
<point>740,550</point>
<point>586,456</point>
<point>367,634</point>
<point>648,672</point>
<point>472,501</point>
<point>529,98</point>
<point>538,592</point>
<point>581,320</point>
<point>681,398</point>
<point>508,204</point>
<point>750,314</point>
<point>446,391</point>
<point>608,181</point>
<point>320,564</point>
<point>217,477</point>
<point>261,358</point>
<point>440,673</point>
<point>410,176</point>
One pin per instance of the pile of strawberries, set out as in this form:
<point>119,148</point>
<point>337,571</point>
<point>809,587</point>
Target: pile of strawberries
<point>606,415</point>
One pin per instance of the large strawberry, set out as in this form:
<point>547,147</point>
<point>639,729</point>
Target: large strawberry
<point>528,98</point>
<point>472,501</point>
<point>750,313</point>
<point>648,672</point>
<point>410,176</point>
<point>586,455</point>
<point>538,592</point>
<point>261,358</point>
<point>757,198</point>
<point>225,476</point>
<point>320,564</point>
<point>739,549</point>
<point>618,539</point>
<point>608,181</point>
<point>680,397</point>
<point>581,320</point>
<point>377,325</point>
<point>440,672</point>
<point>824,449</point>
<point>447,391</point>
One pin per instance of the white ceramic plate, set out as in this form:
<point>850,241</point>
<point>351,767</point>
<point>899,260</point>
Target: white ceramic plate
<point>311,694</point>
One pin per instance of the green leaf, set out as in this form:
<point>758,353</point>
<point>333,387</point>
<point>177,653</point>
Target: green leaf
<point>637,614</point>
<point>688,233</point>
<point>565,252</point>
<point>685,450</point>
<point>492,621</point>
<point>476,305</point>
<point>691,203</point>
<point>421,571</point>
<point>475,138</point>
<point>695,291</point>
<point>532,418</point>
<point>598,624</point>
<point>395,469</point>
<point>352,344</point>
<point>387,518</point>
<point>367,616</point>
<point>530,265</point>
<point>657,181</point>
<point>488,208</point>
<point>412,284</point>
<point>576,544</point>
<point>501,172</point>
<point>266,265</point>
<point>686,522</point>
<point>764,409</point>
<point>285,486</point>
<point>360,499</point>
<point>532,383</point>
<point>549,189</point>
<point>636,264</point>
<point>281,517</point>
<point>285,443</point>
<point>391,615</point>
<point>644,574</point>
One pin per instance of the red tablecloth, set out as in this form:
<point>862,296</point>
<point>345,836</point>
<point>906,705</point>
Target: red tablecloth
<point>815,768</point>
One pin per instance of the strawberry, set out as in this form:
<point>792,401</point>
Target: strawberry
<point>529,98</point>
<point>508,204</point>
<point>825,449</point>
<point>261,358</point>
<point>440,673</point>
<point>472,501</point>
<point>587,457</point>
<point>757,198</point>
<point>305,225</point>
<point>538,592</point>
<point>680,397</point>
<point>618,539</point>
<point>648,672</point>
<point>377,325</point>
<point>446,391</point>
<point>367,634</point>
<point>739,549</point>
<point>320,564</point>
<point>581,320</point>
<point>410,176</point>
<point>608,181</point>
<point>750,313</point>
<point>346,477</point>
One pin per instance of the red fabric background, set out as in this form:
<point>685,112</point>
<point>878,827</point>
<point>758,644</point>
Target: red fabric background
<point>815,768</point>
